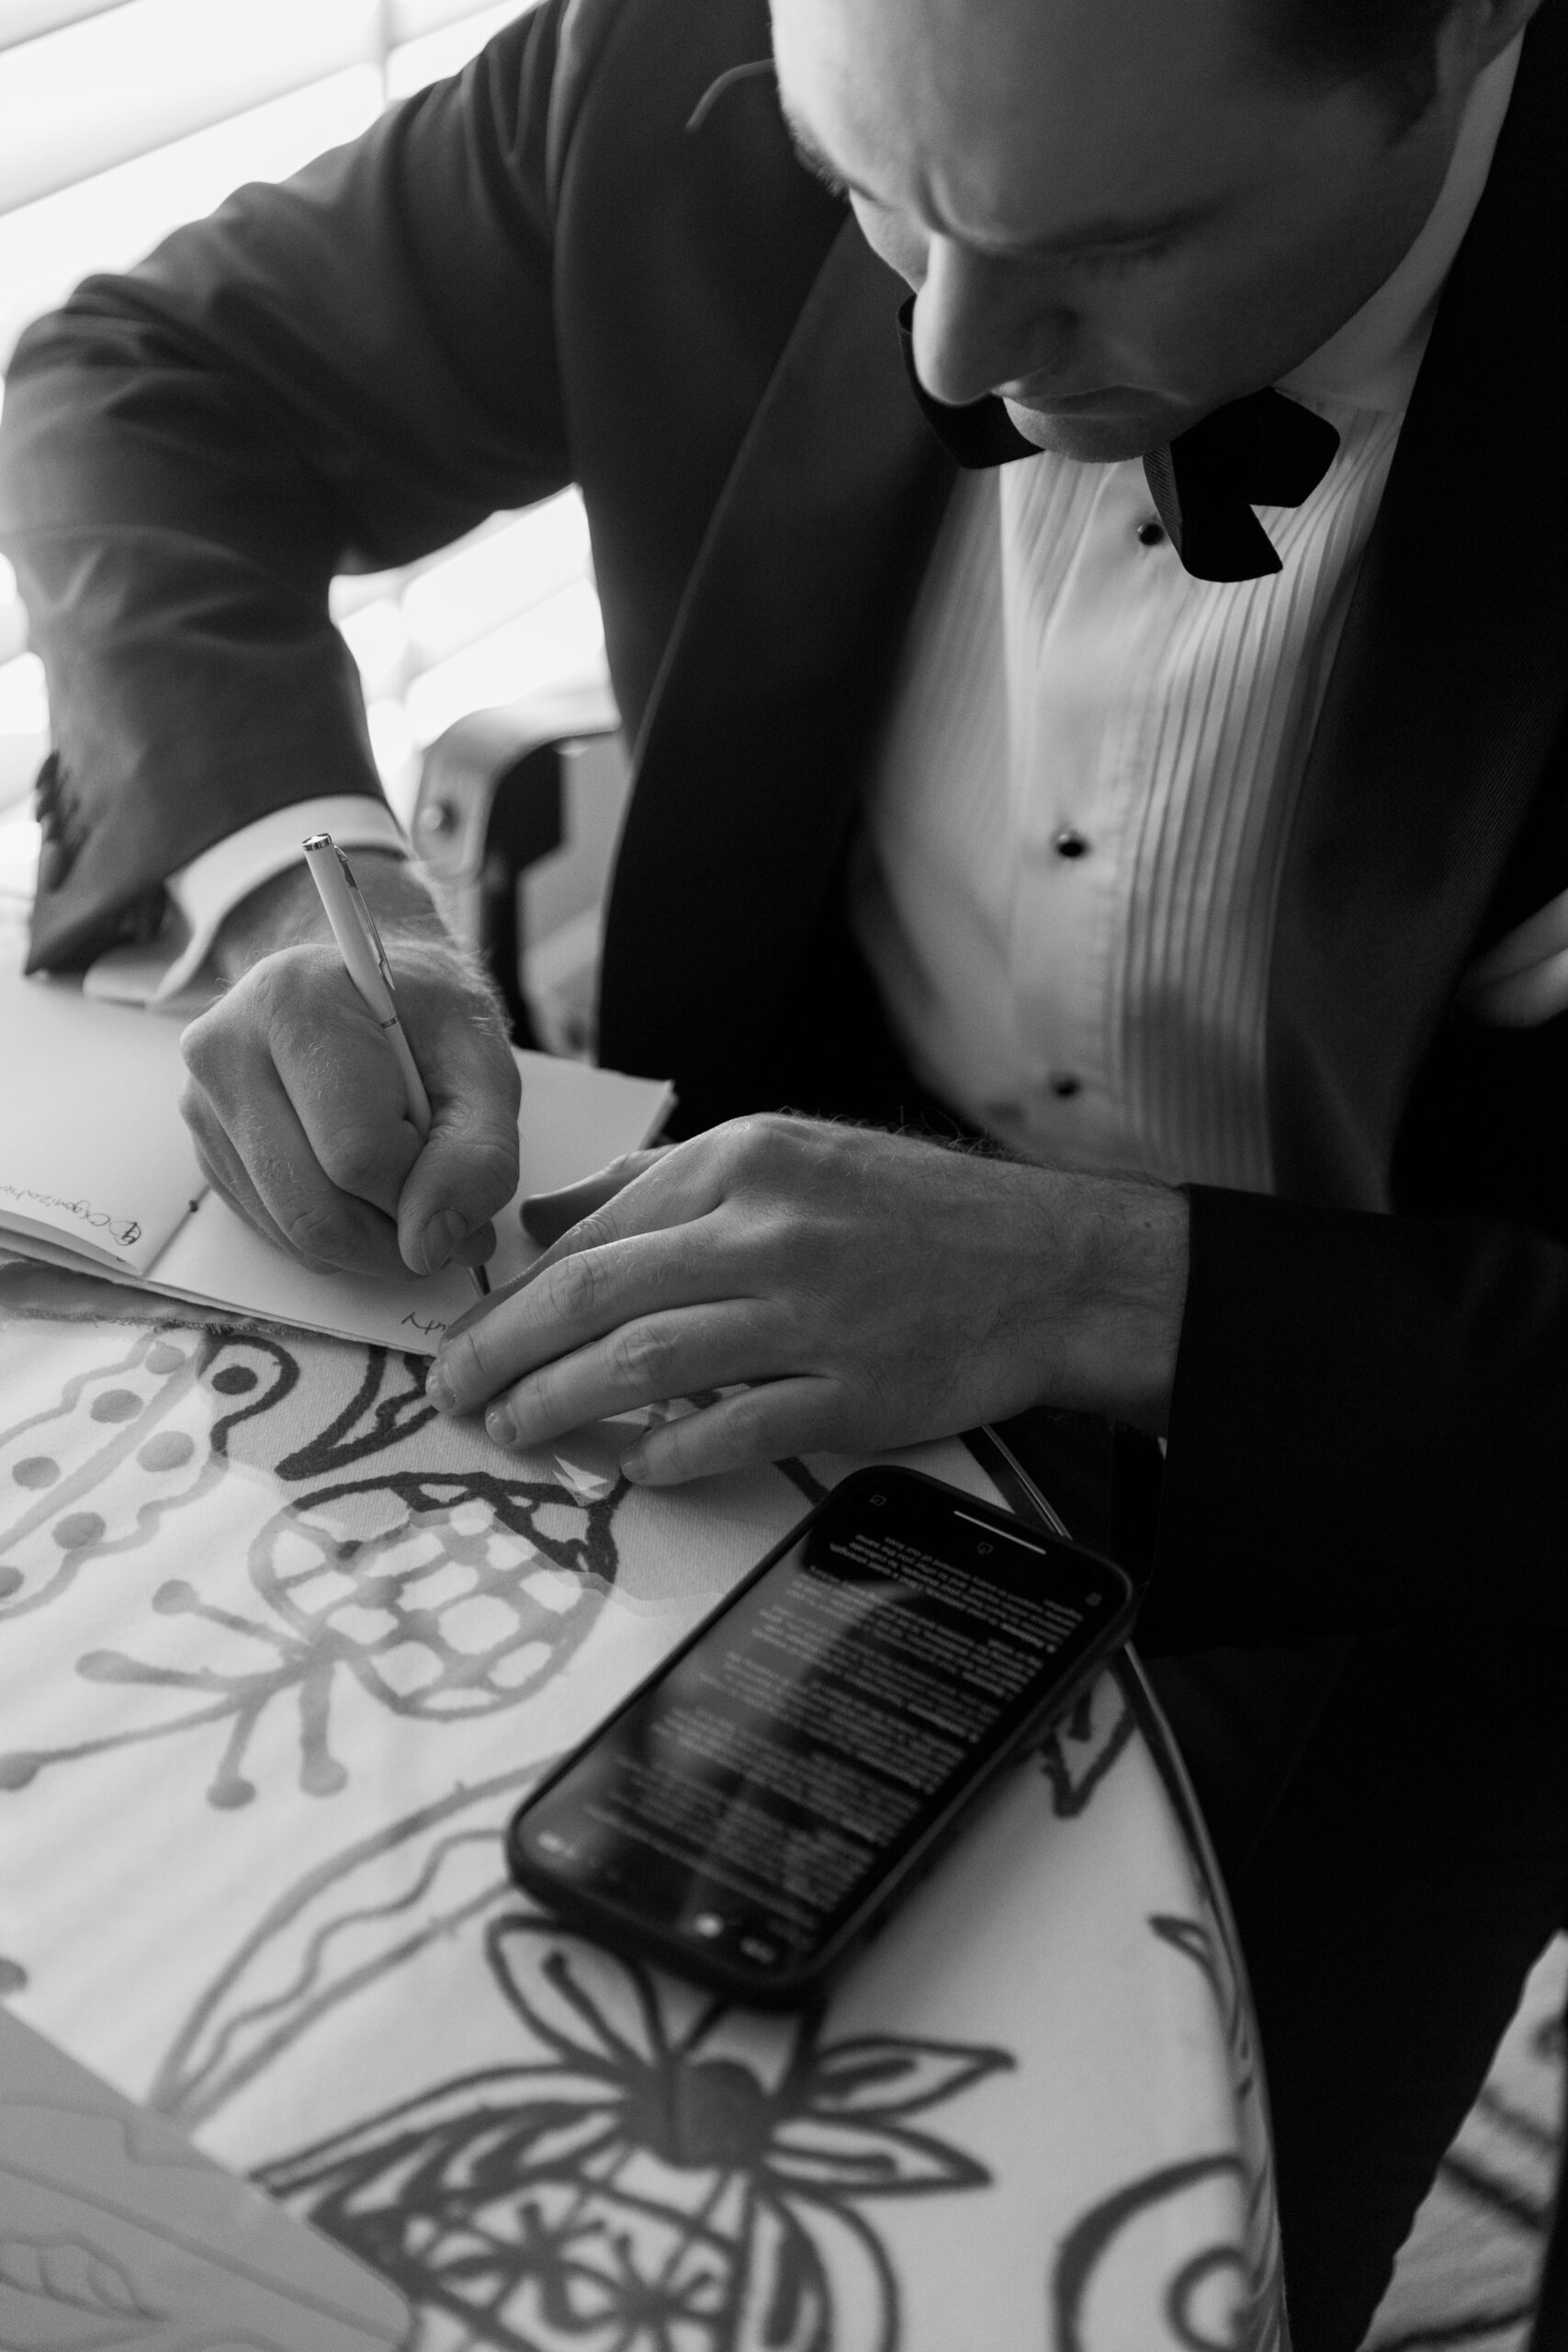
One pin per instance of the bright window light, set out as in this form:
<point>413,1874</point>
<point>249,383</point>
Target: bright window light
<point>406,19</point>
<point>13,618</point>
<point>122,121</point>
<point>112,219</point>
<point>433,55</point>
<point>559,643</point>
<point>97,93</point>
<point>462,596</point>
<point>24,707</point>
<point>21,837</point>
<point>21,19</point>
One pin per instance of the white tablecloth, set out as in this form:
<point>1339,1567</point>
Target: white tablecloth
<point>279,1652</point>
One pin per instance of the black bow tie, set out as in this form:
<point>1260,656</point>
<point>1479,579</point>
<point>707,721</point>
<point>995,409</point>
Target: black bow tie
<point>1264,450</point>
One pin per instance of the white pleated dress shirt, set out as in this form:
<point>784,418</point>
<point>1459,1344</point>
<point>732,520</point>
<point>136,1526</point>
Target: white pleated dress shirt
<point>1068,869</point>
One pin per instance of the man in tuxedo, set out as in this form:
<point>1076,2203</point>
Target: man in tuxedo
<point>1041,737</point>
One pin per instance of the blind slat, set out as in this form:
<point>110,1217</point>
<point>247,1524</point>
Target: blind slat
<point>410,19</point>
<point>24,19</point>
<point>112,219</point>
<point>447,50</point>
<point>123,117</point>
<point>115,85</point>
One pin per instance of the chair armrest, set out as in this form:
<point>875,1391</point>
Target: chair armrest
<point>488,805</point>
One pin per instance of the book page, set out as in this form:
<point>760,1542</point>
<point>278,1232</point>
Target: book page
<point>119,2232</point>
<point>94,1153</point>
<point>97,1163</point>
<point>573,1120</point>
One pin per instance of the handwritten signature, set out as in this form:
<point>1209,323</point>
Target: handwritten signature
<point>124,1232</point>
<point>426,1323</point>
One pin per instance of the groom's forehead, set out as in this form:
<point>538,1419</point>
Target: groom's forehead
<point>1069,99</point>
<point>1055,67</point>
<point>1082,45</point>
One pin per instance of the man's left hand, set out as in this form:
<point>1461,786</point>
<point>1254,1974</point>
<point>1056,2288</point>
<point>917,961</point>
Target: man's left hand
<point>856,1291</point>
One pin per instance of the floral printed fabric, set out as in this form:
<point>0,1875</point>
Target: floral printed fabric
<point>279,1652</point>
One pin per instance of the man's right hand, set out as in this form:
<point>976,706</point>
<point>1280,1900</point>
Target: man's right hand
<point>298,1107</point>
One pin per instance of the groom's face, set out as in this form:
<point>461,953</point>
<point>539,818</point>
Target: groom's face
<point>1116,213</point>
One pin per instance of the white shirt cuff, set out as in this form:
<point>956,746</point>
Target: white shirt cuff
<point>208,889</point>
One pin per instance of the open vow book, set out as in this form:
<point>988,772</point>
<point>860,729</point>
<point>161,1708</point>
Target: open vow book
<point>115,2231</point>
<point>98,1172</point>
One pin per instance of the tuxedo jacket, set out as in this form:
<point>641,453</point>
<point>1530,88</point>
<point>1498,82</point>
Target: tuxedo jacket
<point>593,258</point>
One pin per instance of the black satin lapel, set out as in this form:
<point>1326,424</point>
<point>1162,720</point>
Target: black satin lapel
<point>1448,688</point>
<point>757,727</point>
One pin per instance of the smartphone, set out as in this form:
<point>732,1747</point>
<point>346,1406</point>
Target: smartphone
<point>751,1814</point>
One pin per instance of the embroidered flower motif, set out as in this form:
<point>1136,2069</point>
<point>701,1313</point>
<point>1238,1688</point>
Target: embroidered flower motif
<point>665,2175</point>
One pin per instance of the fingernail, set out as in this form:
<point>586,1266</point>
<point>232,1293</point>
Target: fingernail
<point>440,1237</point>
<point>633,1465</point>
<point>438,1387</point>
<point>500,1426</point>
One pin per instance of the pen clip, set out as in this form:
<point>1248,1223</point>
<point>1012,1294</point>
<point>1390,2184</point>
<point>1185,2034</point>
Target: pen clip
<point>367,922</point>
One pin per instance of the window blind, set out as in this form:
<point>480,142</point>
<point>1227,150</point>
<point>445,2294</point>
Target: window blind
<point>125,117</point>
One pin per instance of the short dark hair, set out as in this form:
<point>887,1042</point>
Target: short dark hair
<point>1393,44</point>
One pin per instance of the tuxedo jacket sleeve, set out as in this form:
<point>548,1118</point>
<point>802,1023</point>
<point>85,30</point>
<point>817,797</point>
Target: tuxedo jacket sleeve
<point>1370,1424</point>
<point>593,257</point>
<point>503,286</point>
<point>303,384</point>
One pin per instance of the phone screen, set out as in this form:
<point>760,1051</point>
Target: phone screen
<point>747,1802</point>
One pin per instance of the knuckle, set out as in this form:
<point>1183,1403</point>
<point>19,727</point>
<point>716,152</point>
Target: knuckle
<point>745,1419</point>
<point>353,1155</point>
<point>577,1287</point>
<point>766,1147</point>
<point>735,1140</point>
<point>642,1355</point>
<point>318,1232</point>
<point>198,1048</point>
<point>795,1256</point>
<point>219,1052</point>
<point>271,989</point>
<point>785,1131</point>
<point>297,998</point>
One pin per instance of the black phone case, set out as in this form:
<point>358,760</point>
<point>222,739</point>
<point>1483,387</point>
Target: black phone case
<point>625,1932</point>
